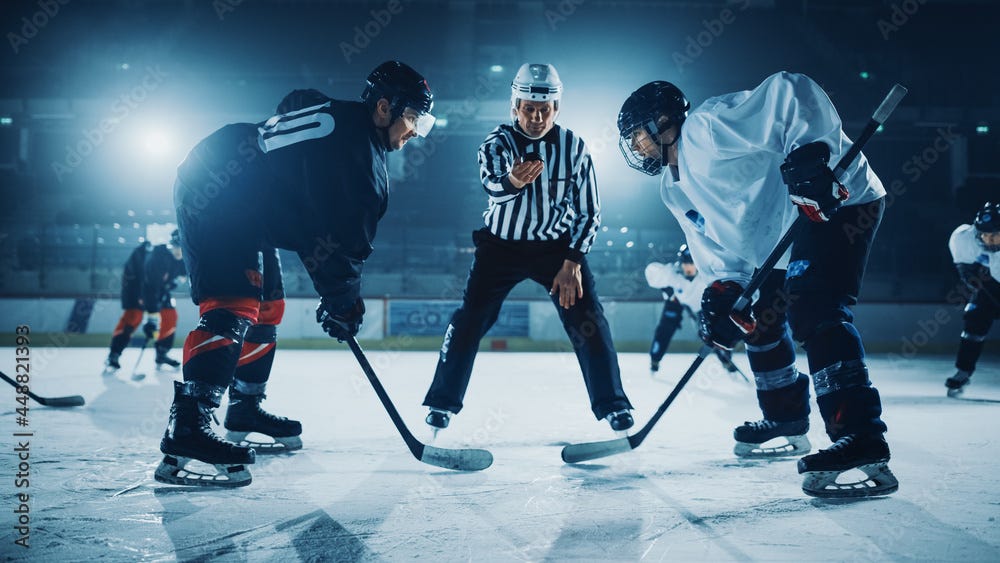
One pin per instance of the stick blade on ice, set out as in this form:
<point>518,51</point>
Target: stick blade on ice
<point>459,460</point>
<point>575,453</point>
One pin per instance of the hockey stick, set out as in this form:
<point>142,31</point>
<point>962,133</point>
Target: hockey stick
<point>575,453</point>
<point>140,376</point>
<point>71,401</point>
<point>718,353</point>
<point>460,460</point>
<point>581,452</point>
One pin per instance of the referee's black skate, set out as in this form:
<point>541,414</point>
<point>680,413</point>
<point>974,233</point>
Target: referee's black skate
<point>868,453</point>
<point>957,383</point>
<point>751,436</point>
<point>620,421</point>
<point>244,416</point>
<point>189,437</point>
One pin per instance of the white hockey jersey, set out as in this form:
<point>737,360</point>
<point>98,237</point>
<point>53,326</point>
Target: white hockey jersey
<point>726,191</point>
<point>688,292</point>
<point>965,249</point>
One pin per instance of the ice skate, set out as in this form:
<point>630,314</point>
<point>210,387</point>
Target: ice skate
<point>957,383</point>
<point>111,365</point>
<point>866,453</point>
<point>189,437</point>
<point>751,436</point>
<point>244,416</point>
<point>438,420</point>
<point>726,358</point>
<point>620,421</point>
<point>166,363</point>
<point>654,366</point>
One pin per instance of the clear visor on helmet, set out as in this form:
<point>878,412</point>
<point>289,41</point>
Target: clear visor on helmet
<point>640,150</point>
<point>422,123</point>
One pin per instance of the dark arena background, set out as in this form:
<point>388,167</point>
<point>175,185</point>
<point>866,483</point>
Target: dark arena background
<point>101,100</point>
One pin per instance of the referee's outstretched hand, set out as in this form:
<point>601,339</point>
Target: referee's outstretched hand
<point>525,172</point>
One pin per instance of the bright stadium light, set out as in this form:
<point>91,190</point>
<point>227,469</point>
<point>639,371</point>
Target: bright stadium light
<point>156,142</point>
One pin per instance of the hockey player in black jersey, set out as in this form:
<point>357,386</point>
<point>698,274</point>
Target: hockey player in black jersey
<point>150,274</point>
<point>312,180</point>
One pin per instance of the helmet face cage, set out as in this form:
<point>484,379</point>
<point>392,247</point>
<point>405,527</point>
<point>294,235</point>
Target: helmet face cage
<point>643,109</point>
<point>988,222</point>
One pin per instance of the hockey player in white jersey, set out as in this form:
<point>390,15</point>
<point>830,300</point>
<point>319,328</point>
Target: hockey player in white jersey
<point>682,286</point>
<point>975,250</point>
<point>737,172</point>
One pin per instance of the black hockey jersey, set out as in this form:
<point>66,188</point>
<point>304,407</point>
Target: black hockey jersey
<point>161,270</point>
<point>313,181</point>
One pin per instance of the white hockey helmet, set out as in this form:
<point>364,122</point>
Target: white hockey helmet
<point>536,82</point>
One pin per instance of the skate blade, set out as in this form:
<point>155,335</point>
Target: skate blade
<point>165,368</point>
<point>823,484</point>
<point>956,393</point>
<point>280,445</point>
<point>109,371</point>
<point>796,445</point>
<point>172,471</point>
<point>138,376</point>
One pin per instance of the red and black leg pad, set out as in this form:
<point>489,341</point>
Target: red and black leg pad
<point>129,321</point>
<point>168,327</point>
<point>212,350</point>
<point>257,355</point>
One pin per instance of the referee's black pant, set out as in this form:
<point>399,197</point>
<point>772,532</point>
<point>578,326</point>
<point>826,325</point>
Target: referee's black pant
<point>498,266</point>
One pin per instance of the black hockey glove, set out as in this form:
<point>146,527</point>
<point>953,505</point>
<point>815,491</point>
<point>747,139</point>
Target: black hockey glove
<point>668,292</point>
<point>340,324</point>
<point>716,327</point>
<point>152,327</point>
<point>811,184</point>
<point>973,276</point>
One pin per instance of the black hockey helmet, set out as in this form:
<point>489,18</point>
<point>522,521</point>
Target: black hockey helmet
<point>404,88</point>
<point>684,255</point>
<point>988,221</point>
<point>643,109</point>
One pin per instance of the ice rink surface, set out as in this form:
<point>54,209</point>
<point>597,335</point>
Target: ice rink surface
<point>354,493</point>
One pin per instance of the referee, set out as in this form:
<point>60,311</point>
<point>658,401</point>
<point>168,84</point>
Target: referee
<point>542,219</point>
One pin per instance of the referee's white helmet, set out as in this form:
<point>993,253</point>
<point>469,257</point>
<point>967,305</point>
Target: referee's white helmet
<point>537,83</point>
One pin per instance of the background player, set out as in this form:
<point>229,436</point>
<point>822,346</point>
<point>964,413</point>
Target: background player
<point>542,219</point>
<point>682,286</point>
<point>974,250</point>
<point>312,180</point>
<point>723,168</point>
<point>149,275</point>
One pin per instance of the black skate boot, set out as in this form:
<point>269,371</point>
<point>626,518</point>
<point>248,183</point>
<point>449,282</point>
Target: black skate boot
<point>438,420</point>
<point>751,435</point>
<point>654,366</point>
<point>166,363</point>
<point>957,383</point>
<point>620,421</point>
<point>866,452</point>
<point>189,436</point>
<point>111,365</point>
<point>244,416</point>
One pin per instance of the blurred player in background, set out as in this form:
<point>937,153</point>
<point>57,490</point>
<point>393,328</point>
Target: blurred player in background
<point>974,249</point>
